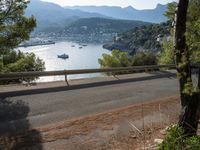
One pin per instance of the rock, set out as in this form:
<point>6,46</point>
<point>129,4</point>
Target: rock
<point>133,136</point>
<point>158,141</point>
<point>163,132</point>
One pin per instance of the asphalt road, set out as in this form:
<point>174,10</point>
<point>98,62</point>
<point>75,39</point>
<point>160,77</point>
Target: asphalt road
<point>49,103</point>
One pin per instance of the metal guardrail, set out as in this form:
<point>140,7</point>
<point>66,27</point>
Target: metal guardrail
<point>21,75</point>
<point>197,66</point>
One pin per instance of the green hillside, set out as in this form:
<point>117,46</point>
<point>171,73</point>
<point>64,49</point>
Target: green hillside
<point>143,38</point>
<point>101,25</point>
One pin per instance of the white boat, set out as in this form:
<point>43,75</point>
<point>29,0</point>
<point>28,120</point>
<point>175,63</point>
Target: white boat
<point>63,56</point>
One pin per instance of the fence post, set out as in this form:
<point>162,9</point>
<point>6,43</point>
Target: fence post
<point>66,80</point>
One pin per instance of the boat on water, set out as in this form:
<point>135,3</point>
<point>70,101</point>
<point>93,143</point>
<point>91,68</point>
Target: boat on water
<point>63,56</point>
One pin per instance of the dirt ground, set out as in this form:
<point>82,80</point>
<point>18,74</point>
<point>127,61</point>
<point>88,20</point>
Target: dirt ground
<point>135,127</point>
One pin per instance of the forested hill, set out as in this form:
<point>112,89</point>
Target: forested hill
<point>102,25</point>
<point>148,37</point>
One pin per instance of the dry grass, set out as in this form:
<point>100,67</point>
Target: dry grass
<point>133,127</point>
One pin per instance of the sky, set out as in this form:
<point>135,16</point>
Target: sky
<point>138,4</point>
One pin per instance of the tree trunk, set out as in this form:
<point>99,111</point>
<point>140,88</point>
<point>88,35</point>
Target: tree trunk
<point>190,102</point>
<point>198,82</point>
<point>189,117</point>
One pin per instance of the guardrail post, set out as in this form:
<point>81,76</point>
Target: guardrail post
<point>115,77</point>
<point>66,80</point>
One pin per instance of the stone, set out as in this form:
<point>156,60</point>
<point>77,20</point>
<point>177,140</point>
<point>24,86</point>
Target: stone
<point>158,141</point>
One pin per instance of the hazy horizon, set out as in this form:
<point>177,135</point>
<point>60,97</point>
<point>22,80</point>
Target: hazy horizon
<point>138,4</point>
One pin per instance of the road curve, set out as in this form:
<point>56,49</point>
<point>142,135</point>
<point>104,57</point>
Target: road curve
<point>53,102</point>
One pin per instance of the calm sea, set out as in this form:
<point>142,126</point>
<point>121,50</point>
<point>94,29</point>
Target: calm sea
<point>79,58</point>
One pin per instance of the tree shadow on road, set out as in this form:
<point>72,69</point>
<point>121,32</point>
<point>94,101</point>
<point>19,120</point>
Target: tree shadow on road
<point>15,130</point>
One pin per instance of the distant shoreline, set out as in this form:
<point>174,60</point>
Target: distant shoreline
<point>36,44</point>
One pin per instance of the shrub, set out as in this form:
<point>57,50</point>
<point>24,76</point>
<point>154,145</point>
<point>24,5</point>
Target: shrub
<point>122,59</point>
<point>116,59</point>
<point>176,140</point>
<point>20,62</point>
<point>144,58</point>
<point>167,55</point>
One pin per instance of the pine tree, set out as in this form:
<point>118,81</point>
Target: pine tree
<point>14,26</point>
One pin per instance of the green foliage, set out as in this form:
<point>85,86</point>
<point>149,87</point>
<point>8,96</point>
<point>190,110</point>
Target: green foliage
<point>1,63</point>
<point>29,62</point>
<point>20,62</point>
<point>14,26</point>
<point>167,55</point>
<point>147,37</point>
<point>192,40</point>
<point>173,140</point>
<point>170,11</point>
<point>196,56</point>
<point>189,89</point>
<point>14,29</point>
<point>144,58</point>
<point>116,59</point>
<point>176,140</point>
<point>193,27</point>
<point>102,25</point>
<point>122,59</point>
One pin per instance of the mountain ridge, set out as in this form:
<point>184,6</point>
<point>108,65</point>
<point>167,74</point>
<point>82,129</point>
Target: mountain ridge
<point>53,17</point>
<point>127,13</point>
